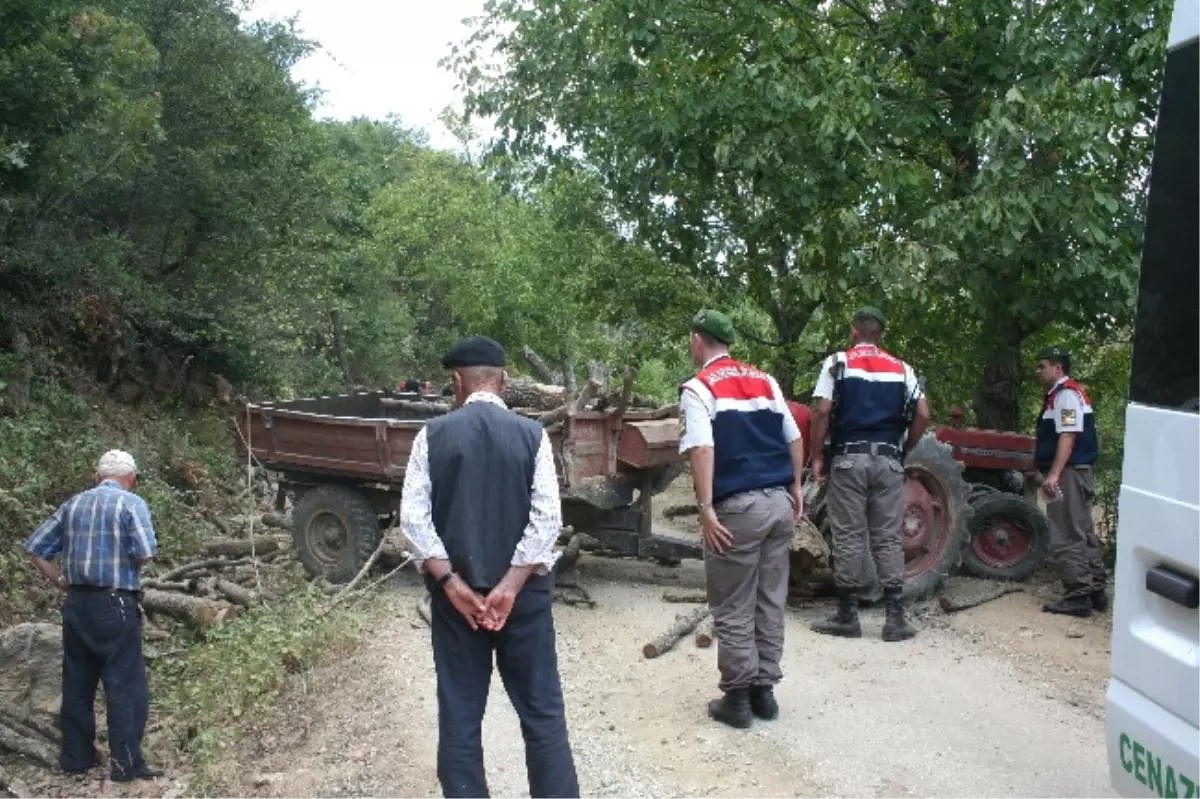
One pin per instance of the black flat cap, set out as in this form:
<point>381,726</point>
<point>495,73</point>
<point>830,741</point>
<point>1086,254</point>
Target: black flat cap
<point>474,351</point>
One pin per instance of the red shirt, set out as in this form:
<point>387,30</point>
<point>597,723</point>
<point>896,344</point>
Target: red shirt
<point>803,417</point>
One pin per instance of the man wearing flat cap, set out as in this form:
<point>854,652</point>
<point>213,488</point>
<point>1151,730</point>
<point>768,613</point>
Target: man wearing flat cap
<point>105,537</point>
<point>1067,447</point>
<point>873,406</point>
<point>481,508</point>
<point>746,456</point>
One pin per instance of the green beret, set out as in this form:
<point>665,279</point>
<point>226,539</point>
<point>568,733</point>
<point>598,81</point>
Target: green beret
<point>474,351</point>
<point>871,312</point>
<point>1055,353</point>
<point>715,324</point>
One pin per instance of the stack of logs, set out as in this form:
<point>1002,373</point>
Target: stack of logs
<point>212,590</point>
<point>555,398</point>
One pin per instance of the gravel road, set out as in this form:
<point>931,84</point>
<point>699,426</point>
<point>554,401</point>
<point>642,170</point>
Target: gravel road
<point>1001,700</point>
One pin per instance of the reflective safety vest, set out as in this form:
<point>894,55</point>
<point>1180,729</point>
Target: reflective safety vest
<point>749,449</point>
<point>1087,445</point>
<point>871,397</point>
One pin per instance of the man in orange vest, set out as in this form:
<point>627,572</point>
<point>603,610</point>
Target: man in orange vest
<point>746,456</point>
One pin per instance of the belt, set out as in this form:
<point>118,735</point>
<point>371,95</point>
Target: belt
<point>869,448</point>
<point>103,589</point>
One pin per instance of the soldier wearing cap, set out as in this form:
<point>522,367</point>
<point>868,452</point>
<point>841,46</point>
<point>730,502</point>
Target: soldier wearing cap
<point>105,537</point>
<point>1067,447</point>
<point>865,498</point>
<point>481,508</point>
<point>746,456</point>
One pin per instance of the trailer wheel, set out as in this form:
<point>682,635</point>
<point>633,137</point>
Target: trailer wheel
<point>1010,537</point>
<point>335,531</point>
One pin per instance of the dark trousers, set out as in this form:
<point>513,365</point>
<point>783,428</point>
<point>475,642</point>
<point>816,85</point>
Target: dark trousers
<point>102,640</point>
<point>525,653</point>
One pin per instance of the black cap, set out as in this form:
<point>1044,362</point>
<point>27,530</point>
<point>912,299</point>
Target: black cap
<point>474,351</point>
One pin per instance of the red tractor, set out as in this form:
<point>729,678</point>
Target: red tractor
<point>965,506</point>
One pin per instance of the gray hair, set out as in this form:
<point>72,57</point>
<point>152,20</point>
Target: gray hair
<point>116,463</point>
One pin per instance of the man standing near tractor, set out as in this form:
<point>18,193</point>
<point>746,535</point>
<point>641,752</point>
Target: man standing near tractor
<point>746,456</point>
<point>867,398</point>
<point>1067,447</point>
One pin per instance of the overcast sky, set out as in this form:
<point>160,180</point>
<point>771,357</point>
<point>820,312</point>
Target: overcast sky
<point>379,57</point>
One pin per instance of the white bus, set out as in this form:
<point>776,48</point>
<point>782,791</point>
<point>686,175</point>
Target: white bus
<point>1153,699</point>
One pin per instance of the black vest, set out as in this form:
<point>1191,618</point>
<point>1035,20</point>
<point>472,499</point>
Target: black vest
<point>481,463</point>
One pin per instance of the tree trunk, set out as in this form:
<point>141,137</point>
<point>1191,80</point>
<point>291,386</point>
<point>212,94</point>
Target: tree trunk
<point>997,398</point>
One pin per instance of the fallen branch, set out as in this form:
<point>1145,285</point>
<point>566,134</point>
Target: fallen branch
<point>674,511</point>
<point>366,566</point>
<point>626,392</point>
<point>540,368</point>
<point>952,605</point>
<point>202,614</point>
<point>188,568</point>
<point>570,555</point>
<point>217,522</point>
<point>696,597</point>
<point>237,548</point>
<point>704,633</point>
<point>363,591</point>
<point>185,586</point>
<point>34,748</point>
<point>665,412</point>
<point>682,625</point>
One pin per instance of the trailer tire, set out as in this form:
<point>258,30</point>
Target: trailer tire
<point>335,531</point>
<point>1010,538</point>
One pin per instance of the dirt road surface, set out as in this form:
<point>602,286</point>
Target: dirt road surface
<point>1001,700</point>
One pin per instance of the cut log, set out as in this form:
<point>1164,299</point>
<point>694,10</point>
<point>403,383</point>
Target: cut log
<point>186,586</point>
<point>682,625</point>
<point>570,555</point>
<point>665,412</point>
<point>35,748</point>
<point>202,614</point>
<point>540,368</point>
<point>237,548</point>
<point>704,633</point>
<point>626,392</point>
<point>277,520</point>
<point>525,393</point>
<point>236,593</point>
<point>420,407</point>
<point>693,597</point>
<point>198,565</point>
<point>951,604</point>
<point>573,594</point>
<point>673,511</point>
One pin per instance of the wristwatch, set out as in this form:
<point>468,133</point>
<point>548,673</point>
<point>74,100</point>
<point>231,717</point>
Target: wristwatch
<point>445,578</point>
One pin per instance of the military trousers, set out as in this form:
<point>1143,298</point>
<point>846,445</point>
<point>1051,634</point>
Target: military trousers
<point>1075,548</point>
<point>865,504</point>
<point>524,652</point>
<point>747,586</point>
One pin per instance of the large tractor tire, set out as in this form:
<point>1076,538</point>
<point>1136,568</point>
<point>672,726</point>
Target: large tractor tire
<point>934,530</point>
<point>1009,537</point>
<point>335,531</point>
<point>937,517</point>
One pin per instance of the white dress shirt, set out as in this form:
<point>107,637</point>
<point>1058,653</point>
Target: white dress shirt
<point>536,547</point>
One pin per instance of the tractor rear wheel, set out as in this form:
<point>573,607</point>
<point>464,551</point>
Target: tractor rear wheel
<point>935,523</point>
<point>1010,538</point>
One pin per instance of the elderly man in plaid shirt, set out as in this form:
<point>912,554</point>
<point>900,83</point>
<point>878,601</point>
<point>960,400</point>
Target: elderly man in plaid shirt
<point>104,536</point>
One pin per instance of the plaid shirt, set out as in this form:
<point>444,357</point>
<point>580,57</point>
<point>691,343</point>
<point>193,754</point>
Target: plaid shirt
<point>100,533</point>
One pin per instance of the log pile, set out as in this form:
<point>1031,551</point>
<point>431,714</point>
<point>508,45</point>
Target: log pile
<point>552,397</point>
<point>210,591</point>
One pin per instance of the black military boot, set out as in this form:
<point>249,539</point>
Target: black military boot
<point>733,708</point>
<point>1080,606</point>
<point>845,622</point>
<point>1100,601</point>
<point>895,628</point>
<point>762,702</point>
